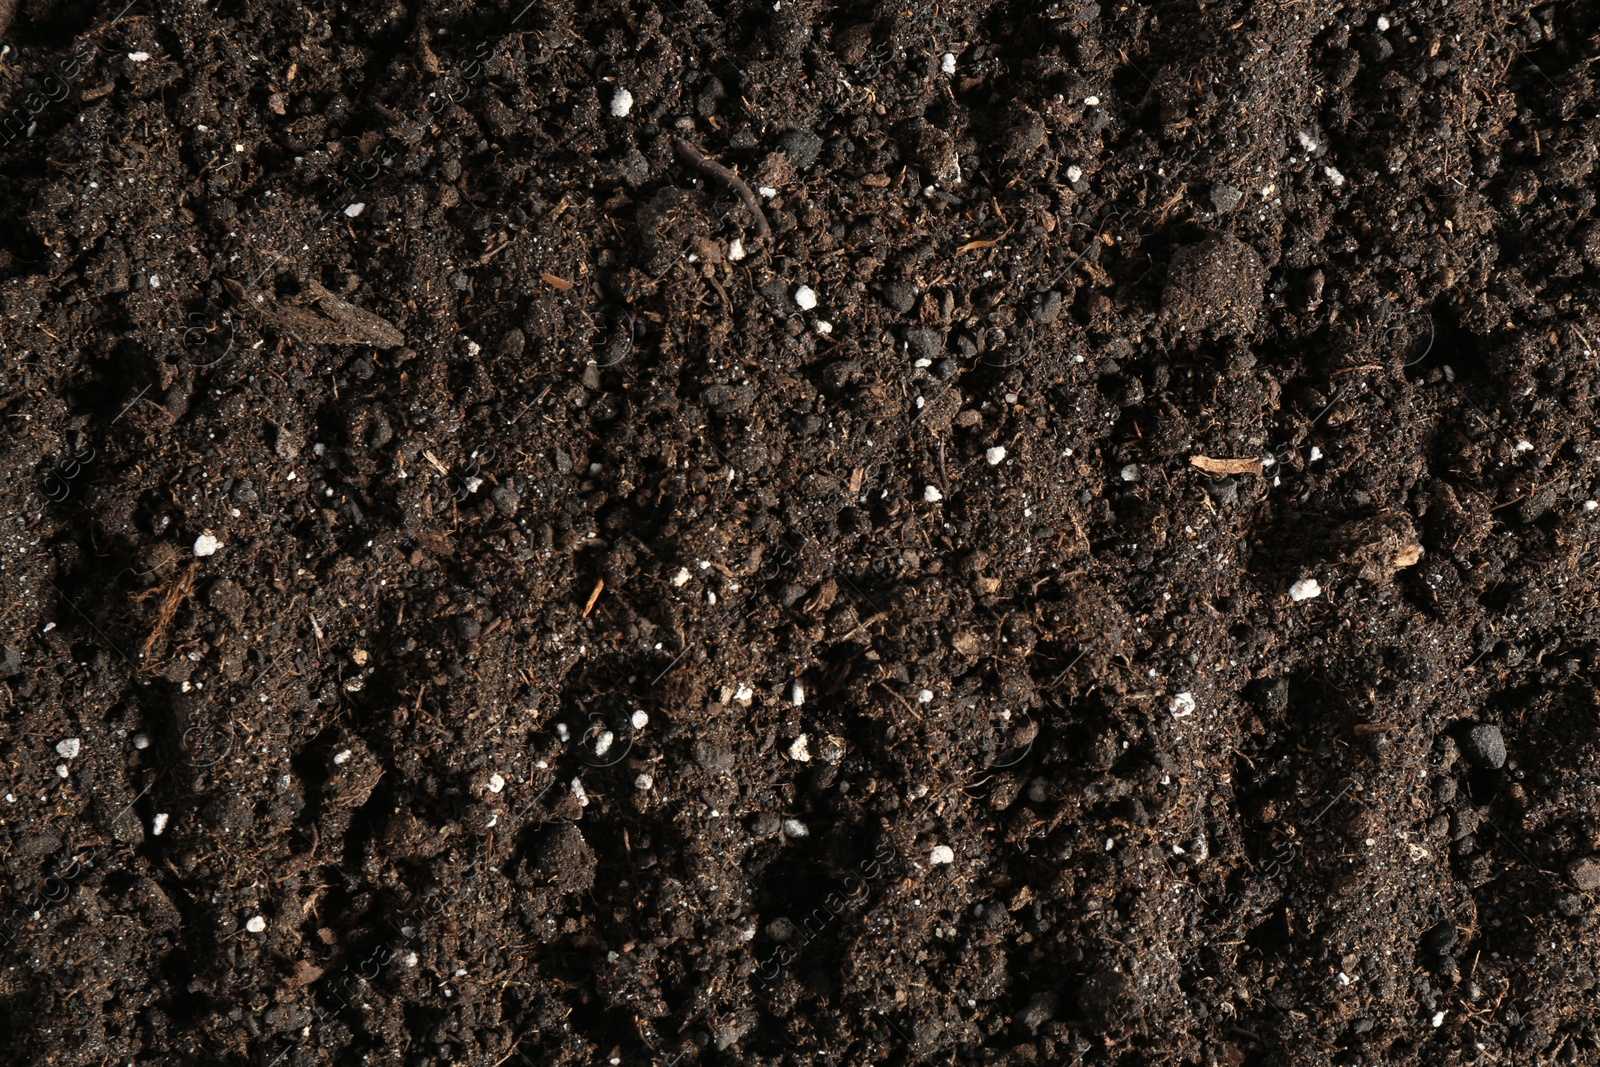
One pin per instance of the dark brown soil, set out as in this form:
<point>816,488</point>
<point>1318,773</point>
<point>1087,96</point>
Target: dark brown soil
<point>602,650</point>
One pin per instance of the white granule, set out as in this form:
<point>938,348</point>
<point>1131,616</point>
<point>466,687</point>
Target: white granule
<point>948,64</point>
<point>1130,473</point>
<point>932,495</point>
<point>805,297</point>
<point>640,720</point>
<point>1074,173</point>
<point>644,782</point>
<point>577,791</point>
<point>158,825</point>
<point>621,103</point>
<point>1334,176</point>
<point>797,693</point>
<point>941,854</point>
<point>353,210</point>
<point>1305,589</point>
<point>255,924</point>
<point>995,455</point>
<point>795,828</point>
<point>496,783</point>
<point>139,57</point>
<point>800,749</point>
<point>1183,705</point>
<point>206,545</point>
<point>69,748</point>
<point>342,758</point>
<point>925,696</point>
<point>680,579</point>
<point>736,250</point>
<point>1307,142</point>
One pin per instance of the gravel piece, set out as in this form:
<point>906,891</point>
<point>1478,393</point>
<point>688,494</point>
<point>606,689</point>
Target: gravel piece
<point>1485,747</point>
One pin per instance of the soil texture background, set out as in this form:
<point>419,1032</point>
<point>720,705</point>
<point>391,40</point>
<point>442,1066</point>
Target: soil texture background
<point>799,533</point>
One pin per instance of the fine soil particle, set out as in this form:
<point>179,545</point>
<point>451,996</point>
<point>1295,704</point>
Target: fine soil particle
<point>763,533</point>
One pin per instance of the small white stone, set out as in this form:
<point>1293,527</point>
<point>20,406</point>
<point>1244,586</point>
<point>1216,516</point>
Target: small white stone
<point>1074,173</point>
<point>1183,705</point>
<point>1111,843</point>
<point>735,250</point>
<point>824,327</point>
<point>795,828</point>
<point>61,770</point>
<point>1305,589</point>
<point>640,720</point>
<point>577,791</point>
<point>1591,505</point>
<point>797,693</point>
<point>1438,1019</point>
<point>1307,142</point>
<point>621,103</point>
<point>205,545</point>
<point>141,741</point>
<point>563,733</point>
<point>1383,24</point>
<point>925,696</point>
<point>1334,176</point>
<point>1091,101</point>
<point>767,191</point>
<point>411,959</point>
<point>1316,453</point>
<point>255,924</point>
<point>931,494</point>
<point>947,64</point>
<point>681,579</point>
<point>341,758</point>
<point>744,694</point>
<point>158,825</point>
<point>800,749</point>
<point>805,297</point>
<point>354,210</point>
<point>995,455</point>
<point>1344,979</point>
<point>603,743</point>
<point>69,748</point>
<point>496,783</point>
<point>644,781</point>
<point>941,854</point>
<point>1524,446</point>
<point>139,57</point>
<point>1130,473</point>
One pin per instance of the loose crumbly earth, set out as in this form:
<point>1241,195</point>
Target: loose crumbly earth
<point>499,625</point>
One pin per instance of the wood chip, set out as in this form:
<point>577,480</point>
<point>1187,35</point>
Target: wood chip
<point>557,283</point>
<point>1226,466</point>
<point>984,243</point>
<point>599,585</point>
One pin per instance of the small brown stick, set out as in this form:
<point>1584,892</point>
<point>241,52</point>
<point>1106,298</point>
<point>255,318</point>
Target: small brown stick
<point>696,159</point>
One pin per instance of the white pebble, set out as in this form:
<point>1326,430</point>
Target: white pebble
<point>795,828</point>
<point>1305,589</point>
<point>932,495</point>
<point>948,64</point>
<point>800,749</point>
<point>681,579</point>
<point>1524,446</point>
<point>824,327</point>
<point>644,782</point>
<point>1383,24</point>
<point>621,103</point>
<point>255,924</point>
<point>496,783</point>
<point>61,770</point>
<point>736,250</point>
<point>1591,505</point>
<point>1130,473</point>
<point>797,693</point>
<point>1334,176</point>
<point>640,720</point>
<point>158,825</point>
<point>805,297</point>
<point>602,744</point>
<point>925,696</point>
<point>139,57</point>
<point>995,455</point>
<point>577,791</point>
<point>1316,453</point>
<point>941,854</point>
<point>342,758</point>
<point>411,959</point>
<point>1183,705</point>
<point>1074,173</point>
<point>141,741</point>
<point>744,694</point>
<point>69,748</point>
<point>354,210</point>
<point>767,191</point>
<point>205,545</point>
<point>563,733</point>
<point>1438,1019</point>
<point>1307,142</point>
